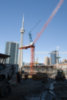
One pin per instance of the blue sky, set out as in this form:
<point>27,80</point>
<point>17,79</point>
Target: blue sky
<point>11,13</point>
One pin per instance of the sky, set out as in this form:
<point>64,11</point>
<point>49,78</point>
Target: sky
<point>34,11</point>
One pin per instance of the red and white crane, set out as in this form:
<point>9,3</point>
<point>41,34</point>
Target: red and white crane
<point>32,45</point>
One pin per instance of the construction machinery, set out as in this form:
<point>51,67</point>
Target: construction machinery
<point>32,45</point>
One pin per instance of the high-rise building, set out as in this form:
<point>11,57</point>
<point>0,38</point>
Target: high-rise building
<point>54,57</point>
<point>47,61</point>
<point>12,50</point>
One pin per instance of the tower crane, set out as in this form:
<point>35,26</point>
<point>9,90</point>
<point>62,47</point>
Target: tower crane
<point>32,45</point>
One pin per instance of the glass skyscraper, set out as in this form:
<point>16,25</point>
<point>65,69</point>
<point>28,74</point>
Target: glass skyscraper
<point>54,57</point>
<point>12,50</point>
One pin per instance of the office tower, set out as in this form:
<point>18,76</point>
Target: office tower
<point>12,50</point>
<point>54,55</point>
<point>21,44</point>
<point>47,61</point>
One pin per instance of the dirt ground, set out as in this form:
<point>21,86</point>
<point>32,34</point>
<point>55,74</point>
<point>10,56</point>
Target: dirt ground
<point>27,87</point>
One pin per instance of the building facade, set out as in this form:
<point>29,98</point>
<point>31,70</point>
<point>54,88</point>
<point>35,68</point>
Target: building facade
<point>12,50</point>
<point>54,55</point>
<point>47,61</point>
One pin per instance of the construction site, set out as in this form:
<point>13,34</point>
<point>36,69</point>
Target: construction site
<point>50,84</point>
<point>33,81</point>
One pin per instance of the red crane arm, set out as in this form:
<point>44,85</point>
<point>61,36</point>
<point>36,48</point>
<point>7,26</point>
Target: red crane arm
<point>48,21</point>
<point>26,47</point>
